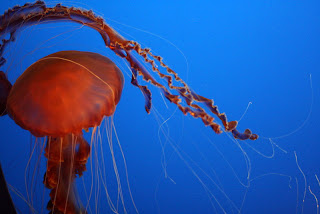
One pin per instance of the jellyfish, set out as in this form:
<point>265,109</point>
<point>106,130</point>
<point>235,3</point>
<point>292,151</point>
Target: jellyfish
<point>67,92</point>
<point>57,97</point>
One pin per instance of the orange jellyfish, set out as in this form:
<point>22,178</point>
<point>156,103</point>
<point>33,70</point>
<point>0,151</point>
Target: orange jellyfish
<point>57,97</point>
<point>65,92</point>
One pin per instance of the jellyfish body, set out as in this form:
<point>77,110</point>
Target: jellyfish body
<point>65,92</point>
<point>58,96</point>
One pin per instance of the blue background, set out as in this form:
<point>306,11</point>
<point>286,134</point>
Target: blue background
<point>234,52</point>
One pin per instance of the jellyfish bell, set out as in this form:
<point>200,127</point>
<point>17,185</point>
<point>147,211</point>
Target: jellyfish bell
<point>57,97</point>
<point>65,92</point>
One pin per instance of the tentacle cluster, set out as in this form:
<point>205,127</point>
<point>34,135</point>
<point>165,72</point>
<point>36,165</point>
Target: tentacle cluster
<point>62,169</point>
<point>29,14</point>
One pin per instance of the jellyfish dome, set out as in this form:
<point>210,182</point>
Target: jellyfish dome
<point>65,92</point>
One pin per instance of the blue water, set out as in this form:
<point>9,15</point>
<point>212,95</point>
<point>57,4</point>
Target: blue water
<point>261,54</point>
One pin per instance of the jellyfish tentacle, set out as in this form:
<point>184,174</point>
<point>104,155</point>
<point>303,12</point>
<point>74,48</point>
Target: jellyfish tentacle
<point>189,96</point>
<point>144,89</point>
